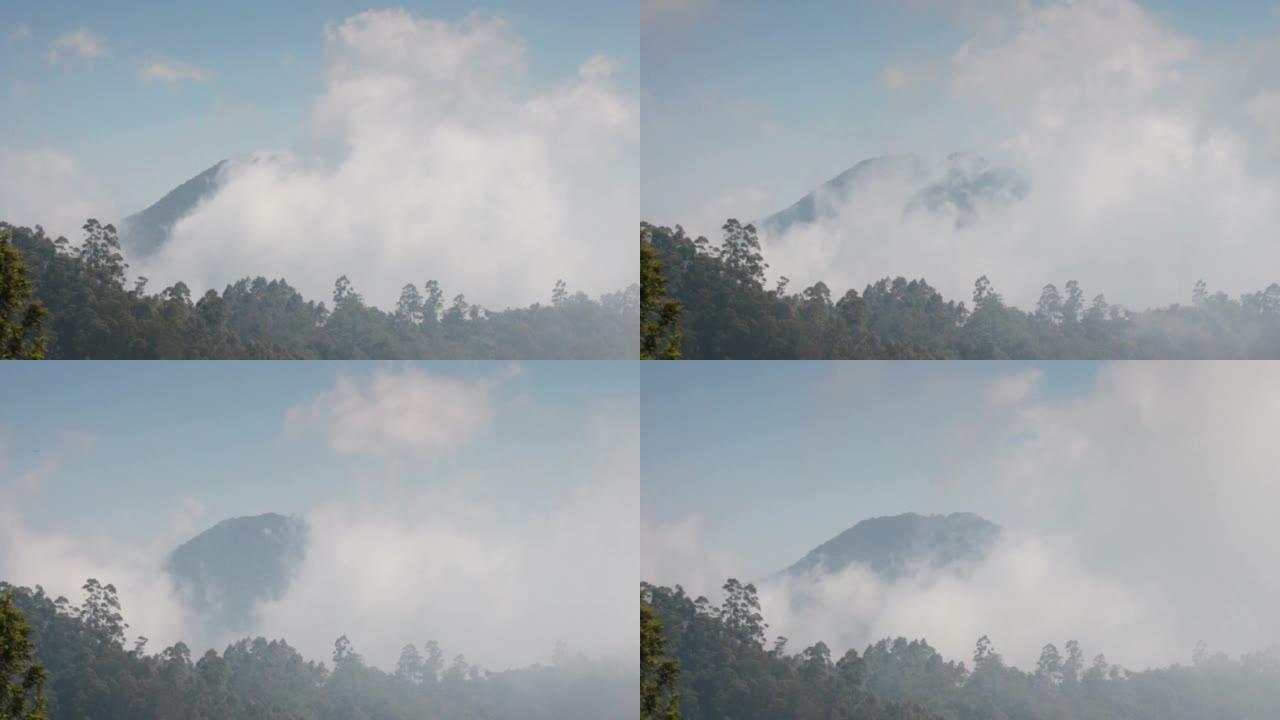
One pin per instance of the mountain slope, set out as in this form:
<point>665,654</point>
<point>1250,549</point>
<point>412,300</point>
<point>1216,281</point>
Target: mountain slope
<point>894,546</point>
<point>144,232</point>
<point>960,186</point>
<point>229,568</point>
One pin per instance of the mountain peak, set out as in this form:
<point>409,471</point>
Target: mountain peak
<point>959,186</point>
<point>897,545</point>
<point>231,567</point>
<point>144,232</point>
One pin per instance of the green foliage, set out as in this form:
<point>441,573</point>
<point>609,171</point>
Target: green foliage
<point>91,674</point>
<point>21,321</point>
<point>659,315</point>
<point>659,695</point>
<point>727,672</point>
<point>727,313</point>
<point>21,680</point>
<point>92,314</point>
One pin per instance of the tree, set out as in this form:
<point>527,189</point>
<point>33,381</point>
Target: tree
<point>21,320</point>
<point>659,315</point>
<point>21,678</point>
<point>659,674</point>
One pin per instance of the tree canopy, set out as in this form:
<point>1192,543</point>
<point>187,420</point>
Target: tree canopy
<point>727,312</point>
<point>93,312</point>
<point>728,670</point>
<point>94,673</point>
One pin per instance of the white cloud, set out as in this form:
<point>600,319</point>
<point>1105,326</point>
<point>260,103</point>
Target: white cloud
<point>408,412</point>
<point>1013,390</point>
<point>1152,160</point>
<point>50,188</point>
<point>502,580</point>
<point>1139,519</point>
<point>429,157</point>
<point>173,71</point>
<point>79,44</point>
<point>20,32</point>
<point>679,553</point>
<point>500,576</point>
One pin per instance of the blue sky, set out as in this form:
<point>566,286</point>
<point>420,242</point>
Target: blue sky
<point>775,458</point>
<point>763,101</point>
<point>266,67</point>
<point>132,441</point>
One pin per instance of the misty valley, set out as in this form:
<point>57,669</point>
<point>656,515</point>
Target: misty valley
<point>707,301</point>
<point>92,666</point>
<point>703,659</point>
<point>73,301</point>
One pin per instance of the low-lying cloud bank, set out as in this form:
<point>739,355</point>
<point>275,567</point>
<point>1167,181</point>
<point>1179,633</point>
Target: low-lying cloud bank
<point>428,158</point>
<point>1153,161</point>
<point>416,551</point>
<point>1139,521</point>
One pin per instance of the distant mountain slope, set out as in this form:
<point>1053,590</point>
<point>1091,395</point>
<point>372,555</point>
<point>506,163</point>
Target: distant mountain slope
<point>144,232</point>
<point>959,185</point>
<point>893,546</point>
<point>232,566</point>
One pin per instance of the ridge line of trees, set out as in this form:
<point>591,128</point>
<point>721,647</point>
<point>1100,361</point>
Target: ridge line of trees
<point>73,662</point>
<point>724,310</point>
<point>727,668</point>
<point>90,312</point>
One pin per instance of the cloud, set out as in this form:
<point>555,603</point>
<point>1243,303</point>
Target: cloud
<point>1152,159</point>
<point>497,577</point>
<point>406,412</point>
<point>61,561</point>
<point>1138,518</point>
<point>173,71</point>
<point>20,32</point>
<point>430,157</point>
<point>50,188</point>
<point>79,44</point>
<point>501,575</point>
<point>679,553</point>
<point>1013,390</point>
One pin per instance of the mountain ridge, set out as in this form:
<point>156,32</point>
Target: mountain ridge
<point>897,545</point>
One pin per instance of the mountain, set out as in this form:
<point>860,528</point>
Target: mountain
<point>144,232</point>
<point>960,186</point>
<point>227,569</point>
<point>895,546</point>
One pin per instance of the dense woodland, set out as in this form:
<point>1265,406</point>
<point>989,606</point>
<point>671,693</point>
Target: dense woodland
<point>91,311</point>
<point>727,669</point>
<point>92,672</point>
<point>726,311</point>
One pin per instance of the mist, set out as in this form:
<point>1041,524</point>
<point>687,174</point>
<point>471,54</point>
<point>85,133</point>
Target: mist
<point>1138,519</point>
<point>419,545</point>
<point>1152,161</point>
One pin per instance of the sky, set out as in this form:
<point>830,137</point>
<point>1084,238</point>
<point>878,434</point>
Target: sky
<point>1135,498</point>
<point>369,128</point>
<point>489,505</point>
<point>1147,129</point>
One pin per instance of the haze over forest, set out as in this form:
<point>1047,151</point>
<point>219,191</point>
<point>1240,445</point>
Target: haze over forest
<point>481,513</point>
<point>1130,503</point>
<point>1005,172</point>
<point>487,153</point>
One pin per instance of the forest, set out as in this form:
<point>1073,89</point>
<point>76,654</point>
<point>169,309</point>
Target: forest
<point>76,303</point>
<point>63,661</point>
<point>709,661</point>
<point>707,301</point>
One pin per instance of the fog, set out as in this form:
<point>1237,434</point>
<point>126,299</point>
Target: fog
<point>1153,161</point>
<point>492,561</point>
<point>1138,516</point>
